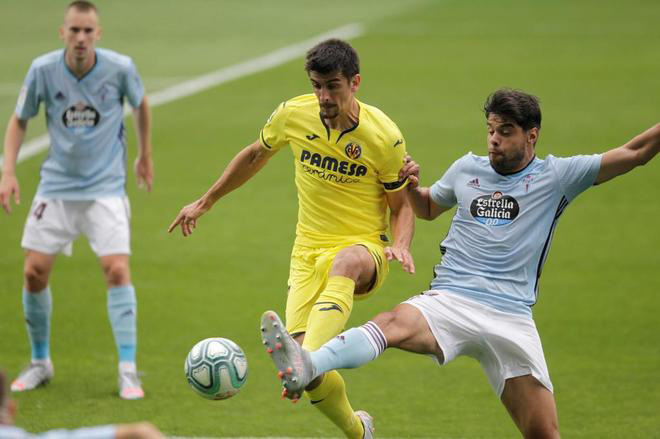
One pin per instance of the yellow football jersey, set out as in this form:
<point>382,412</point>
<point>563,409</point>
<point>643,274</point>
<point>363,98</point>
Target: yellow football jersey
<point>341,177</point>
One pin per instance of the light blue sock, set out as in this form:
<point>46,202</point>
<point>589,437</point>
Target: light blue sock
<point>350,349</point>
<point>37,308</point>
<point>122,311</point>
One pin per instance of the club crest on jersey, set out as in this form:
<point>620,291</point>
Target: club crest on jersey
<point>80,117</point>
<point>353,151</point>
<point>495,209</point>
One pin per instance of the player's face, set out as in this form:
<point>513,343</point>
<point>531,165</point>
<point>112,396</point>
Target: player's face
<point>335,92</point>
<point>80,32</point>
<point>510,147</point>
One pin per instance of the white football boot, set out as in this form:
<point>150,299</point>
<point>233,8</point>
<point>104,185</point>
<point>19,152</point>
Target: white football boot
<point>293,363</point>
<point>38,373</point>
<point>129,383</point>
<point>367,423</point>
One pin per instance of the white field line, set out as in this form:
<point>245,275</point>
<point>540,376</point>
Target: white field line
<point>212,79</point>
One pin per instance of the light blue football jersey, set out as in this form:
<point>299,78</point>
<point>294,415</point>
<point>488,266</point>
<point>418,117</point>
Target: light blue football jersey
<point>87,155</point>
<point>501,232</point>
<point>104,432</point>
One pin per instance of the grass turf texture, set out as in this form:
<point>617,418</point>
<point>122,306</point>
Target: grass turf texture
<point>430,66</point>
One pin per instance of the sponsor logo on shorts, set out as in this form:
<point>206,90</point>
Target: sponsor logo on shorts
<point>495,209</point>
<point>353,151</point>
<point>311,136</point>
<point>80,117</point>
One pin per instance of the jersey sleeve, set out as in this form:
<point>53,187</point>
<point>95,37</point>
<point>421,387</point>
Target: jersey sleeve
<point>442,191</point>
<point>388,174</point>
<point>104,432</point>
<point>273,134</point>
<point>30,96</point>
<point>132,86</point>
<point>576,174</point>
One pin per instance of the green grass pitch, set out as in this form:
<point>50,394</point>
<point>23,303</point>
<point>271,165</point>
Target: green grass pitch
<point>427,64</point>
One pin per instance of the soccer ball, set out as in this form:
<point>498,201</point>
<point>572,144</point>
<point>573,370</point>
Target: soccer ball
<point>216,368</point>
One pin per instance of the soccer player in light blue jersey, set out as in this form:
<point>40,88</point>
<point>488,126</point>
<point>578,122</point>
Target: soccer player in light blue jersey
<point>478,305</point>
<point>81,190</point>
<point>140,430</point>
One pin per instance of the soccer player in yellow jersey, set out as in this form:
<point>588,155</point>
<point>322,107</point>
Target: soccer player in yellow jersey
<point>347,157</point>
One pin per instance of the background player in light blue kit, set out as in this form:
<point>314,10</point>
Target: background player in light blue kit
<point>479,302</point>
<point>81,190</point>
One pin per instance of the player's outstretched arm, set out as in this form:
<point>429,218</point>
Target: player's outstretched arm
<point>141,430</point>
<point>144,167</point>
<point>16,129</point>
<point>239,170</point>
<point>636,152</point>
<point>402,224</point>
<point>419,197</point>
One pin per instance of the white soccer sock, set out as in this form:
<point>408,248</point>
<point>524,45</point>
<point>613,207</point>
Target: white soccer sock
<point>350,349</point>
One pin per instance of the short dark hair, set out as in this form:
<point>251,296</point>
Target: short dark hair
<point>333,55</point>
<point>515,106</point>
<point>82,6</point>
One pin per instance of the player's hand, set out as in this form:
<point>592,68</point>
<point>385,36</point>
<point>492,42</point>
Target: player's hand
<point>402,255</point>
<point>410,170</point>
<point>144,171</point>
<point>187,217</point>
<point>9,187</point>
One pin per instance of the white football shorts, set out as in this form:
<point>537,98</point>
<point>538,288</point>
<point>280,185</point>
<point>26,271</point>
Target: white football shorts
<point>53,225</point>
<point>507,345</point>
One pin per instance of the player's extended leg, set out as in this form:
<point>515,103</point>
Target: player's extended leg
<point>37,307</point>
<point>532,407</point>
<point>122,311</point>
<point>404,327</point>
<point>353,271</point>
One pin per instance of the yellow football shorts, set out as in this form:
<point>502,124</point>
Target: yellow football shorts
<point>308,276</point>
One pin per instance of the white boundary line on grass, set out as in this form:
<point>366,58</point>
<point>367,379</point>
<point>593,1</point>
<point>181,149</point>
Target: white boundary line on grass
<point>215,78</point>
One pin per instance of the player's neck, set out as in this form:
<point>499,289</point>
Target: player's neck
<point>347,120</point>
<point>80,67</point>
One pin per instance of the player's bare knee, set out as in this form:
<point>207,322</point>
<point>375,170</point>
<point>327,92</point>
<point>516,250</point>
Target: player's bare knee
<point>389,323</point>
<point>117,273</point>
<point>542,429</point>
<point>36,277</point>
<point>347,263</point>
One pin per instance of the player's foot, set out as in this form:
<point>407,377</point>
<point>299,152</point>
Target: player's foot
<point>38,373</point>
<point>129,383</point>
<point>292,361</point>
<point>367,423</point>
